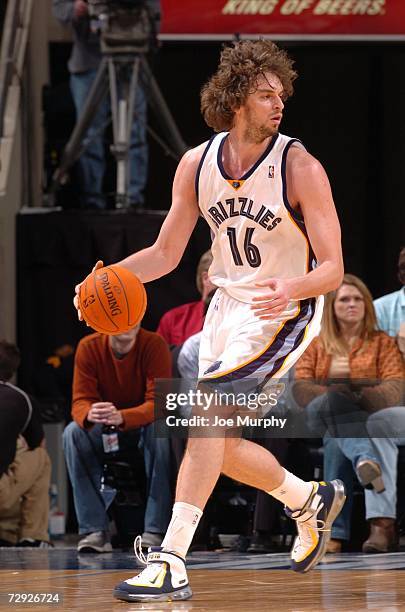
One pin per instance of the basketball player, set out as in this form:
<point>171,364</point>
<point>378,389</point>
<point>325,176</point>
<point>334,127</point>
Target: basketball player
<point>276,250</point>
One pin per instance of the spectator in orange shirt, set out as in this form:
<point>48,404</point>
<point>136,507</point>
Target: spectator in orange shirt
<point>114,384</point>
<point>181,322</point>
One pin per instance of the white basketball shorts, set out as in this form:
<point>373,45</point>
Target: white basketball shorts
<point>236,344</point>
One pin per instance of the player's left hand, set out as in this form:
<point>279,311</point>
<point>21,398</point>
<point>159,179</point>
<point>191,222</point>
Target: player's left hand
<point>274,301</point>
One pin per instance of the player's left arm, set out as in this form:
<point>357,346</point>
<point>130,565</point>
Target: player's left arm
<point>309,192</point>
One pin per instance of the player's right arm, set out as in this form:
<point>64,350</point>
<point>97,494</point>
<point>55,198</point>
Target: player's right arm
<point>165,254</point>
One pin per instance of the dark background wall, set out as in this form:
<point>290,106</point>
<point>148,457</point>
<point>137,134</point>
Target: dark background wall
<point>57,250</point>
<point>348,110</point>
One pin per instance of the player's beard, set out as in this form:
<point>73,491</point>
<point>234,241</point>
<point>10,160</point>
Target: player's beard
<point>256,132</point>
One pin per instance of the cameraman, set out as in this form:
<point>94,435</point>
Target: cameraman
<point>83,64</point>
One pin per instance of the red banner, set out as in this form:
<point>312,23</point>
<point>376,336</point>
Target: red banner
<point>284,18</point>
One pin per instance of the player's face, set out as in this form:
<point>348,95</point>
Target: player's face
<point>263,110</point>
<point>349,305</point>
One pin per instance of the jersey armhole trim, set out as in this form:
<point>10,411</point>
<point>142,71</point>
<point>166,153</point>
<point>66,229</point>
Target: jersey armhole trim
<point>296,215</point>
<point>197,175</point>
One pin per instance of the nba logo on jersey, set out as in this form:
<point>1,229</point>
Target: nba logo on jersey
<point>271,171</point>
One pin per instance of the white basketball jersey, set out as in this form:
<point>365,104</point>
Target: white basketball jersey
<point>256,234</point>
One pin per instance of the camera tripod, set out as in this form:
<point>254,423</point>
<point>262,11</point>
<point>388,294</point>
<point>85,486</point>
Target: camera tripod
<point>122,71</point>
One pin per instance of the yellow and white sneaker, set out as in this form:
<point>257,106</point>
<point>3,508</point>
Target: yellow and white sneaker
<point>163,579</point>
<point>314,523</point>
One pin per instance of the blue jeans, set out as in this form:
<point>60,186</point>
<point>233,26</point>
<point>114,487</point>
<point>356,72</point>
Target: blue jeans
<point>83,451</point>
<point>330,415</point>
<point>339,461</point>
<point>387,429</point>
<point>92,161</point>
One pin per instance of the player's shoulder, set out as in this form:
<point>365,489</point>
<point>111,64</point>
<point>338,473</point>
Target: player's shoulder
<point>192,158</point>
<point>298,157</point>
<point>304,171</point>
<point>299,160</point>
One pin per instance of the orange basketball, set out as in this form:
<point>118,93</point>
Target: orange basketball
<point>112,300</point>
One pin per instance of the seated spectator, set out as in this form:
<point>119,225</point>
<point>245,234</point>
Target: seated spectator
<point>114,384</point>
<point>387,426</point>
<point>25,467</point>
<point>349,348</point>
<point>390,309</point>
<point>181,322</point>
<point>387,429</point>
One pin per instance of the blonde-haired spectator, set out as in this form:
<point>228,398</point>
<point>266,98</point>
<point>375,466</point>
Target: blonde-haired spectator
<point>348,373</point>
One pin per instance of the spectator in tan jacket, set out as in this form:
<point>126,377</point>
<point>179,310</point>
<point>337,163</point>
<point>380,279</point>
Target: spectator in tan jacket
<point>114,384</point>
<point>25,467</point>
<point>348,373</point>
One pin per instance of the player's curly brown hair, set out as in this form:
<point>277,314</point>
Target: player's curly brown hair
<point>239,68</point>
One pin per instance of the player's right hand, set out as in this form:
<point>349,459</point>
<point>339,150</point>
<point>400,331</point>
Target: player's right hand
<point>274,301</point>
<point>98,265</point>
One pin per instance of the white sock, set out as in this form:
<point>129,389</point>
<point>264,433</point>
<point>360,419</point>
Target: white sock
<point>293,492</point>
<point>185,519</point>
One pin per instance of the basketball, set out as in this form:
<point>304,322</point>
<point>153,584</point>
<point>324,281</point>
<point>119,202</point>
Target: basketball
<point>112,300</point>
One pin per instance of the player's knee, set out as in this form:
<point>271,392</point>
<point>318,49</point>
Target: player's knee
<point>202,447</point>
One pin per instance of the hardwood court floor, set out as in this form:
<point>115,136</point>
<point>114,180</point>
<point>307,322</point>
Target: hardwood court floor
<point>375,584</point>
